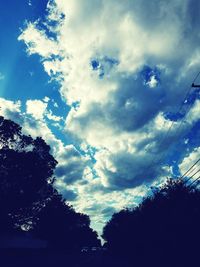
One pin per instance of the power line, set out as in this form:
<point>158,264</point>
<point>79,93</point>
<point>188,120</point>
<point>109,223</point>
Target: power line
<point>180,121</point>
<point>195,79</point>
<point>195,181</point>
<point>193,175</point>
<point>193,170</point>
<point>186,112</point>
<point>179,110</point>
<point>189,170</point>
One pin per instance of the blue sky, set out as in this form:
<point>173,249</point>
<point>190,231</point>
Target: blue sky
<point>102,82</point>
<point>15,65</point>
<point>24,77</point>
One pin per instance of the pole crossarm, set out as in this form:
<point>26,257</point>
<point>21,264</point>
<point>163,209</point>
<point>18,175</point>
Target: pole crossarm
<point>196,85</point>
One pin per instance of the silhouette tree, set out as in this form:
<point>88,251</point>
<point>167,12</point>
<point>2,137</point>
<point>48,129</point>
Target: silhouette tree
<point>62,227</point>
<point>28,200</point>
<point>26,174</point>
<point>162,231</point>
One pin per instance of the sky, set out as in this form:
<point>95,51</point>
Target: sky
<point>107,84</point>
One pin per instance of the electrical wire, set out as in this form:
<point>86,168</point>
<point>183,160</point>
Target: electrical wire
<point>193,175</point>
<point>194,181</point>
<point>186,173</point>
<point>183,102</point>
<point>173,122</point>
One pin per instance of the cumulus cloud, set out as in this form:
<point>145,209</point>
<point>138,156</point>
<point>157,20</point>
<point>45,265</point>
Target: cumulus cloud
<point>53,117</point>
<point>71,165</point>
<point>36,108</point>
<point>34,124</point>
<point>39,110</point>
<point>10,109</point>
<point>189,160</point>
<point>123,67</point>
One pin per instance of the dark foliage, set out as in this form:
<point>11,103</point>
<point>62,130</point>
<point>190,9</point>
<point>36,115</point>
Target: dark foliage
<point>162,231</point>
<point>28,200</point>
<point>26,169</point>
<point>62,227</point>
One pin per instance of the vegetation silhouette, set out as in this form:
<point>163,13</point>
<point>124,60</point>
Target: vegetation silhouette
<point>62,227</point>
<point>29,204</point>
<point>162,231</point>
<point>26,169</point>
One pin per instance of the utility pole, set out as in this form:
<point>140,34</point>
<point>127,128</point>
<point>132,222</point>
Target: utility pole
<point>196,85</point>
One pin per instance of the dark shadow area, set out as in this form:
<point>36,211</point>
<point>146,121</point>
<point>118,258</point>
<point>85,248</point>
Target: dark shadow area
<point>55,258</point>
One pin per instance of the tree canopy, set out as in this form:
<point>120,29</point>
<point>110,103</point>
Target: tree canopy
<point>26,173</point>
<point>62,227</point>
<point>28,200</point>
<point>162,231</point>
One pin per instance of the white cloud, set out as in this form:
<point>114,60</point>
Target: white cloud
<point>33,125</point>
<point>36,108</point>
<point>37,43</point>
<point>10,109</point>
<point>53,117</point>
<point>46,99</point>
<point>193,115</point>
<point>122,67</point>
<point>188,161</point>
<point>152,82</point>
<point>71,165</point>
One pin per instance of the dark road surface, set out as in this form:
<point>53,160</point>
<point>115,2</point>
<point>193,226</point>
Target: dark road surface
<point>44,258</point>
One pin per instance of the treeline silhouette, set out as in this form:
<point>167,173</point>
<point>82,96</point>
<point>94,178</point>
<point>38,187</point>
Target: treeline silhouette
<point>30,207</point>
<point>163,230</point>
